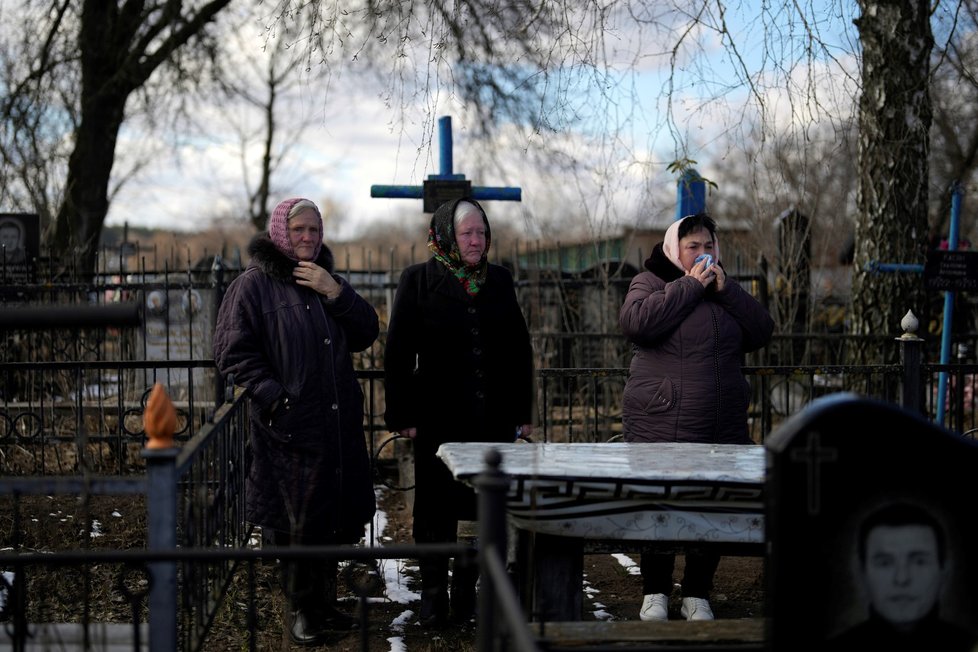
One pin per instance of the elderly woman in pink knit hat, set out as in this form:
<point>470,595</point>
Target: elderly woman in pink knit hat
<point>285,333</point>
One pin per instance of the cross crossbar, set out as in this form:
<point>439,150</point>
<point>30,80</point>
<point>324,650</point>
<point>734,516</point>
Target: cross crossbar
<point>445,185</point>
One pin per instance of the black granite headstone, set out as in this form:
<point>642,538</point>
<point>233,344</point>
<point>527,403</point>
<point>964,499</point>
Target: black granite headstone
<point>20,238</point>
<point>830,470</point>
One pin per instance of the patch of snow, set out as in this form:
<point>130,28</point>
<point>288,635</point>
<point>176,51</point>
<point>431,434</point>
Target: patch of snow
<point>628,564</point>
<point>8,577</point>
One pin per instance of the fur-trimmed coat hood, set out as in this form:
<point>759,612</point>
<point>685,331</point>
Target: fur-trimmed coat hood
<point>276,264</point>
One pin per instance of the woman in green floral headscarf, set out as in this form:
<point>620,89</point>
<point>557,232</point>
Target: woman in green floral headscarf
<point>458,367</point>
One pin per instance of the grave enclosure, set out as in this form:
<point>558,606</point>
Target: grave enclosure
<point>818,460</point>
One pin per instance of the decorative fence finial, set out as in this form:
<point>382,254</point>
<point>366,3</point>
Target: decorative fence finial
<point>159,419</point>
<point>909,324</point>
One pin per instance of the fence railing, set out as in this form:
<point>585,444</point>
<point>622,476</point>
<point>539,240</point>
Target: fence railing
<point>63,417</point>
<point>194,498</point>
<point>101,432</point>
<point>196,540</point>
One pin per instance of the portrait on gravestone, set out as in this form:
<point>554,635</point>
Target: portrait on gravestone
<point>901,561</point>
<point>19,245</point>
<point>868,523</point>
<point>12,241</point>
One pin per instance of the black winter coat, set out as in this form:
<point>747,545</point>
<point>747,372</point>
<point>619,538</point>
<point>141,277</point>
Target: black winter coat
<point>290,348</point>
<point>458,368</point>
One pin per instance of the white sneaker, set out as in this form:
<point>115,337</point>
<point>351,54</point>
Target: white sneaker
<point>696,609</point>
<point>655,606</point>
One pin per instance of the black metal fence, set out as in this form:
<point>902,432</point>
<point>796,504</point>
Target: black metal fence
<point>71,404</point>
<point>196,539</point>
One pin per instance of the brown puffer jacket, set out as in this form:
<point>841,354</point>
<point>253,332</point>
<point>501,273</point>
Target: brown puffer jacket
<point>685,381</point>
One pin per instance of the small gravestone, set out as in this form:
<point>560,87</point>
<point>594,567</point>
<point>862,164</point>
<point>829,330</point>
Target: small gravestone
<point>20,238</point>
<point>870,527</point>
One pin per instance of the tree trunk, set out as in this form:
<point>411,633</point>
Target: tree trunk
<point>120,45</point>
<point>82,212</point>
<point>893,149</point>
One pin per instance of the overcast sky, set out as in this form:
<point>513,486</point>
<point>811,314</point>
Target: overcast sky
<point>355,140</point>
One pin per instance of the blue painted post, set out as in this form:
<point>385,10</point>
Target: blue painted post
<point>445,146</point>
<point>952,245</point>
<point>690,194</point>
<point>161,498</point>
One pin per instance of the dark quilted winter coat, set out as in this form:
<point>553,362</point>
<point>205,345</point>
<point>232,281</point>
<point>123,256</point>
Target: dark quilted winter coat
<point>458,368</point>
<point>310,471</point>
<point>685,382</point>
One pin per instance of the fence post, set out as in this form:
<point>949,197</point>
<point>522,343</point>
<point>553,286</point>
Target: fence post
<point>161,508</point>
<point>492,486</point>
<point>910,356</point>
<point>217,280</point>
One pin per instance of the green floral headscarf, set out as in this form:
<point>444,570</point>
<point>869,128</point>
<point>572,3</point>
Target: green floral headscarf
<point>441,242</point>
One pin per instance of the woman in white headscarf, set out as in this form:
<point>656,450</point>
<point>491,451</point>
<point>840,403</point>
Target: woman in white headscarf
<point>690,326</point>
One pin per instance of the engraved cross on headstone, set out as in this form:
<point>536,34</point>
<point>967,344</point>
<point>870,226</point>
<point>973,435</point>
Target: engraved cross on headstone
<point>813,454</point>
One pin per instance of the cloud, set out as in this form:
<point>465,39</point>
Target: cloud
<point>604,168</point>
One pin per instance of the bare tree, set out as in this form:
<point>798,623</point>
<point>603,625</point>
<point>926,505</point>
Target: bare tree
<point>264,77</point>
<point>107,52</point>
<point>954,134</point>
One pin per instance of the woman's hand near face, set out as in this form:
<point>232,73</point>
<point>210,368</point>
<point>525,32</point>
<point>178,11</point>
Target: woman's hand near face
<point>313,276</point>
<point>704,274</point>
<point>719,275</point>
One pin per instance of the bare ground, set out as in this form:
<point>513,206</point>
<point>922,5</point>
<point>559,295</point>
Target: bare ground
<point>613,591</point>
<point>612,585</point>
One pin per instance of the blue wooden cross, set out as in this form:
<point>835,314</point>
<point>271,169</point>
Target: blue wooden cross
<point>445,185</point>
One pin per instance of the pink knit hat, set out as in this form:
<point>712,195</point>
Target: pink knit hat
<point>278,225</point>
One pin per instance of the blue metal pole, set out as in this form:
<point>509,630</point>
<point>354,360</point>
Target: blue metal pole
<point>874,267</point>
<point>396,192</point>
<point>445,145</point>
<point>498,193</point>
<point>952,245</point>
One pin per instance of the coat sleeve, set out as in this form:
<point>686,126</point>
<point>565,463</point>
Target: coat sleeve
<point>355,315</point>
<point>239,339</point>
<point>653,309</point>
<point>754,320</point>
<point>400,354</point>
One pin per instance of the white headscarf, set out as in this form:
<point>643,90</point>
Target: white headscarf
<point>670,244</point>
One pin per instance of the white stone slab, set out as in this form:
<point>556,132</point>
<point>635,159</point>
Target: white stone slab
<point>659,492</point>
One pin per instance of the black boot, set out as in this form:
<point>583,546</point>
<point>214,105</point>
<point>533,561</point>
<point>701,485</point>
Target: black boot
<point>304,628</point>
<point>300,583</point>
<point>331,618</point>
<point>434,607</point>
<point>434,592</point>
<point>465,574</point>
